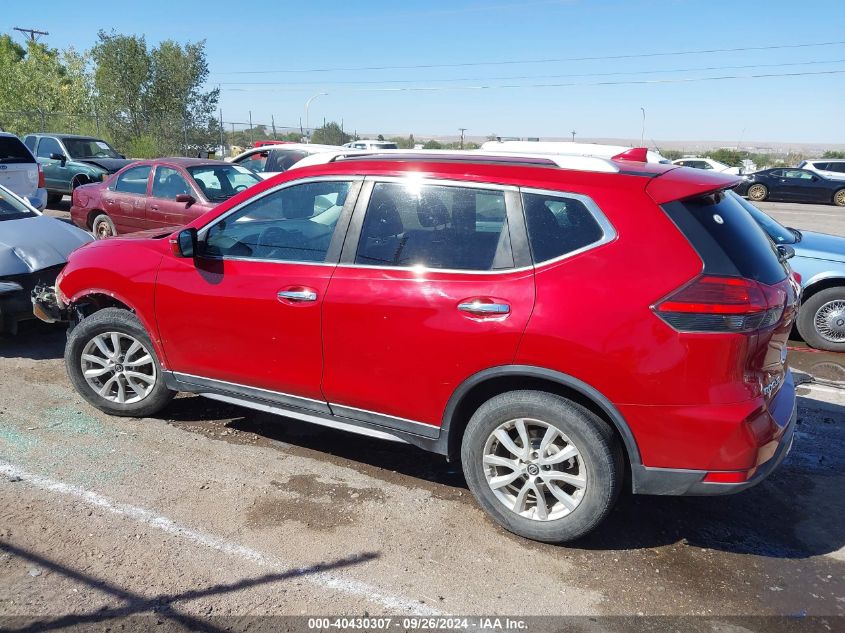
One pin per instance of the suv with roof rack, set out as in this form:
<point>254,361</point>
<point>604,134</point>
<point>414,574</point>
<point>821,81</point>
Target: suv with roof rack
<point>498,310</point>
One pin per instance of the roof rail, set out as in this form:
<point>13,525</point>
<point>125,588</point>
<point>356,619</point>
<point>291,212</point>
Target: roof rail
<point>562,161</point>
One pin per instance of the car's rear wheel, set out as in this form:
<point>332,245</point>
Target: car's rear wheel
<point>758,192</point>
<point>839,198</point>
<point>112,364</point>
<point>542,466</point>
<point>821,320</point>
<point>103,227</point>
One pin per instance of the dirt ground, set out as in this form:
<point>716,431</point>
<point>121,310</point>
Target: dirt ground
<point>213,510</point>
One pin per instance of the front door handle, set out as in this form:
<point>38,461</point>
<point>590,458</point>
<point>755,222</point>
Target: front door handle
<point>299,295</point>
<point>484,308</point>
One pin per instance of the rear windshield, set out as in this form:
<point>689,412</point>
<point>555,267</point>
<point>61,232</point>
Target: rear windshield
<point>13,151</point>
<point>727,238</point>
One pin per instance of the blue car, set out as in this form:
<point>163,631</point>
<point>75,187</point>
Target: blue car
<point>820,261</point>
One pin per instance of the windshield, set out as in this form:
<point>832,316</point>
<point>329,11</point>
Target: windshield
<point>779,234</point>
<point>89,148</point>
<point>221,182</point>
<point>12,209</point>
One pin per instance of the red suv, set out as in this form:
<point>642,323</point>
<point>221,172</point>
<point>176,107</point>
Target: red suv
<point>559,325</point>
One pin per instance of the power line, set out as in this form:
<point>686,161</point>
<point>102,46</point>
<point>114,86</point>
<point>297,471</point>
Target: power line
<point>564,85</point>
<point>532,61</point>
<point>521,77</point>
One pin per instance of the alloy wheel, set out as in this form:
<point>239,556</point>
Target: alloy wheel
<point>534,469</point>
<point>757,192</point>
<point>830,321</point>
<point>103,230</point>
<point>118,367</point>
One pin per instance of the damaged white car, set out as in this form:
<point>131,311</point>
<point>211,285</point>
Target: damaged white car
<point>33,249</point>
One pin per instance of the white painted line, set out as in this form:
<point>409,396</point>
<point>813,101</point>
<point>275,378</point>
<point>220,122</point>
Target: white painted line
<point>323,580</point>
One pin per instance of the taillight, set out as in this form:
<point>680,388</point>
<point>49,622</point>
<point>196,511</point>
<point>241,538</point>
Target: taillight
<point>41,182</point>
<point>722,304</point>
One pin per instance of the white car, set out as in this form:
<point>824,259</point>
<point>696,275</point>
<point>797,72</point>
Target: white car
<point>269,160</point>
<point>369,144</point>
<point>829,167</point>
<point>697,162</point>
<point>565,148</point>
<point>20,172</point>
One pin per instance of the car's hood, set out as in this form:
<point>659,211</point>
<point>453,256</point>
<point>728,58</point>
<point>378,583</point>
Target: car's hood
<point>821,246</point>
<point>111,165</point>
<point>32,244</point>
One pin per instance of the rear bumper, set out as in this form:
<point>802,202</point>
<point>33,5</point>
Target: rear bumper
<point>670,481</point>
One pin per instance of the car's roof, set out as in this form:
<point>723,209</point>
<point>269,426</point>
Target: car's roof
<point>311,148</point>
<point>62,135</point>
<point>182,161</point>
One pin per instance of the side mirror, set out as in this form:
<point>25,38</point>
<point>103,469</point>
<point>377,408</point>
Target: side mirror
<point>186,198</point>
<point>184,243</point>
<point>59,157</point>
<point>786,251</point>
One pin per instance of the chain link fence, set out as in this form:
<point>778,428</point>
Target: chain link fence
<point>149,136</point>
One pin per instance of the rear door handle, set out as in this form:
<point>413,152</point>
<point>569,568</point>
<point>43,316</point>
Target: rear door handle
<point>484,308</point>
<point>299,295</point>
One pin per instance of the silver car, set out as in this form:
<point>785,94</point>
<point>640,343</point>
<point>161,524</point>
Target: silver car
<point>820,262</point>
<point>33,249</point>
<point>20,172</point>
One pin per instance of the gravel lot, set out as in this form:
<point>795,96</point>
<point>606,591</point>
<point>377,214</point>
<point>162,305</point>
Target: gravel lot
<point>213,510</point>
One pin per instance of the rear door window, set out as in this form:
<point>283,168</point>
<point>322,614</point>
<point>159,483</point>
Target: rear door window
<point>558,225</point>
<point>727,238</point>
<point>444,227</point>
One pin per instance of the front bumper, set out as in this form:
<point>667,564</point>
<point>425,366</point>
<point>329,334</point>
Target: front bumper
<point>670,481</point>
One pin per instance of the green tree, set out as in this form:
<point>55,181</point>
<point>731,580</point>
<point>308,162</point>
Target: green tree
<point>330,134</point>
<point>432,144</point>
<point>380,137</point>
<point>671,154</point>
<point>833,154</point>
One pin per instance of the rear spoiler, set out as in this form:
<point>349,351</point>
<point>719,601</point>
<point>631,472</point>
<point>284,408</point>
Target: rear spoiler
<point>679,184</point>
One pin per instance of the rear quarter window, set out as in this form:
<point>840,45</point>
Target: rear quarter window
<point>12,150</point>
<point>727,238</point>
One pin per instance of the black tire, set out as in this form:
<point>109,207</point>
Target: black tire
<point>54,199</point>
<point>102,227</point>
<point>600,457</point>
<point>123,322</point>
<point>839,198</point>
<point>758,192</point>
<point>810,308</point>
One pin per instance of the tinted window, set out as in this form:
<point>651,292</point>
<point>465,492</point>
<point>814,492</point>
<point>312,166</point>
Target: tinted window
<point>221,182</point>
<point>727,238</point>
<point>29,141</point>
<point>282,160</point>
<point>13,151</point>
<point>133,180</point>
<point>558,225</point>
<point>291,224</point>
<point>778,173</point>
<point>169,183</point>
<point>798,174</point>
<point>779,234</point>
<point>838,167</point>
<point>47,146</point>
<point>459,228</point>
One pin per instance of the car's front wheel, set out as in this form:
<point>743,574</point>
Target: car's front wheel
<point>758,192</point>
<point>112,364</point>
<point>839,198</point>
<point>821,320</point>
<point>542,466</point>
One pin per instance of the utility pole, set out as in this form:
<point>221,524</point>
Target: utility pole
<point>462,129</point>
<point>642,138</point>
<point>573,135</point>
<point>222,141</point>
<point>273,123</point>
<point>32,33</point>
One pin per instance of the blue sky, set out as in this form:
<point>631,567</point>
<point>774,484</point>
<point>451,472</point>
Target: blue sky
<point>335,47</point>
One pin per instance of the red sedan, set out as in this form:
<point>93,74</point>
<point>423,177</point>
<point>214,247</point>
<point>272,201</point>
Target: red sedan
<point>159,193</point>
